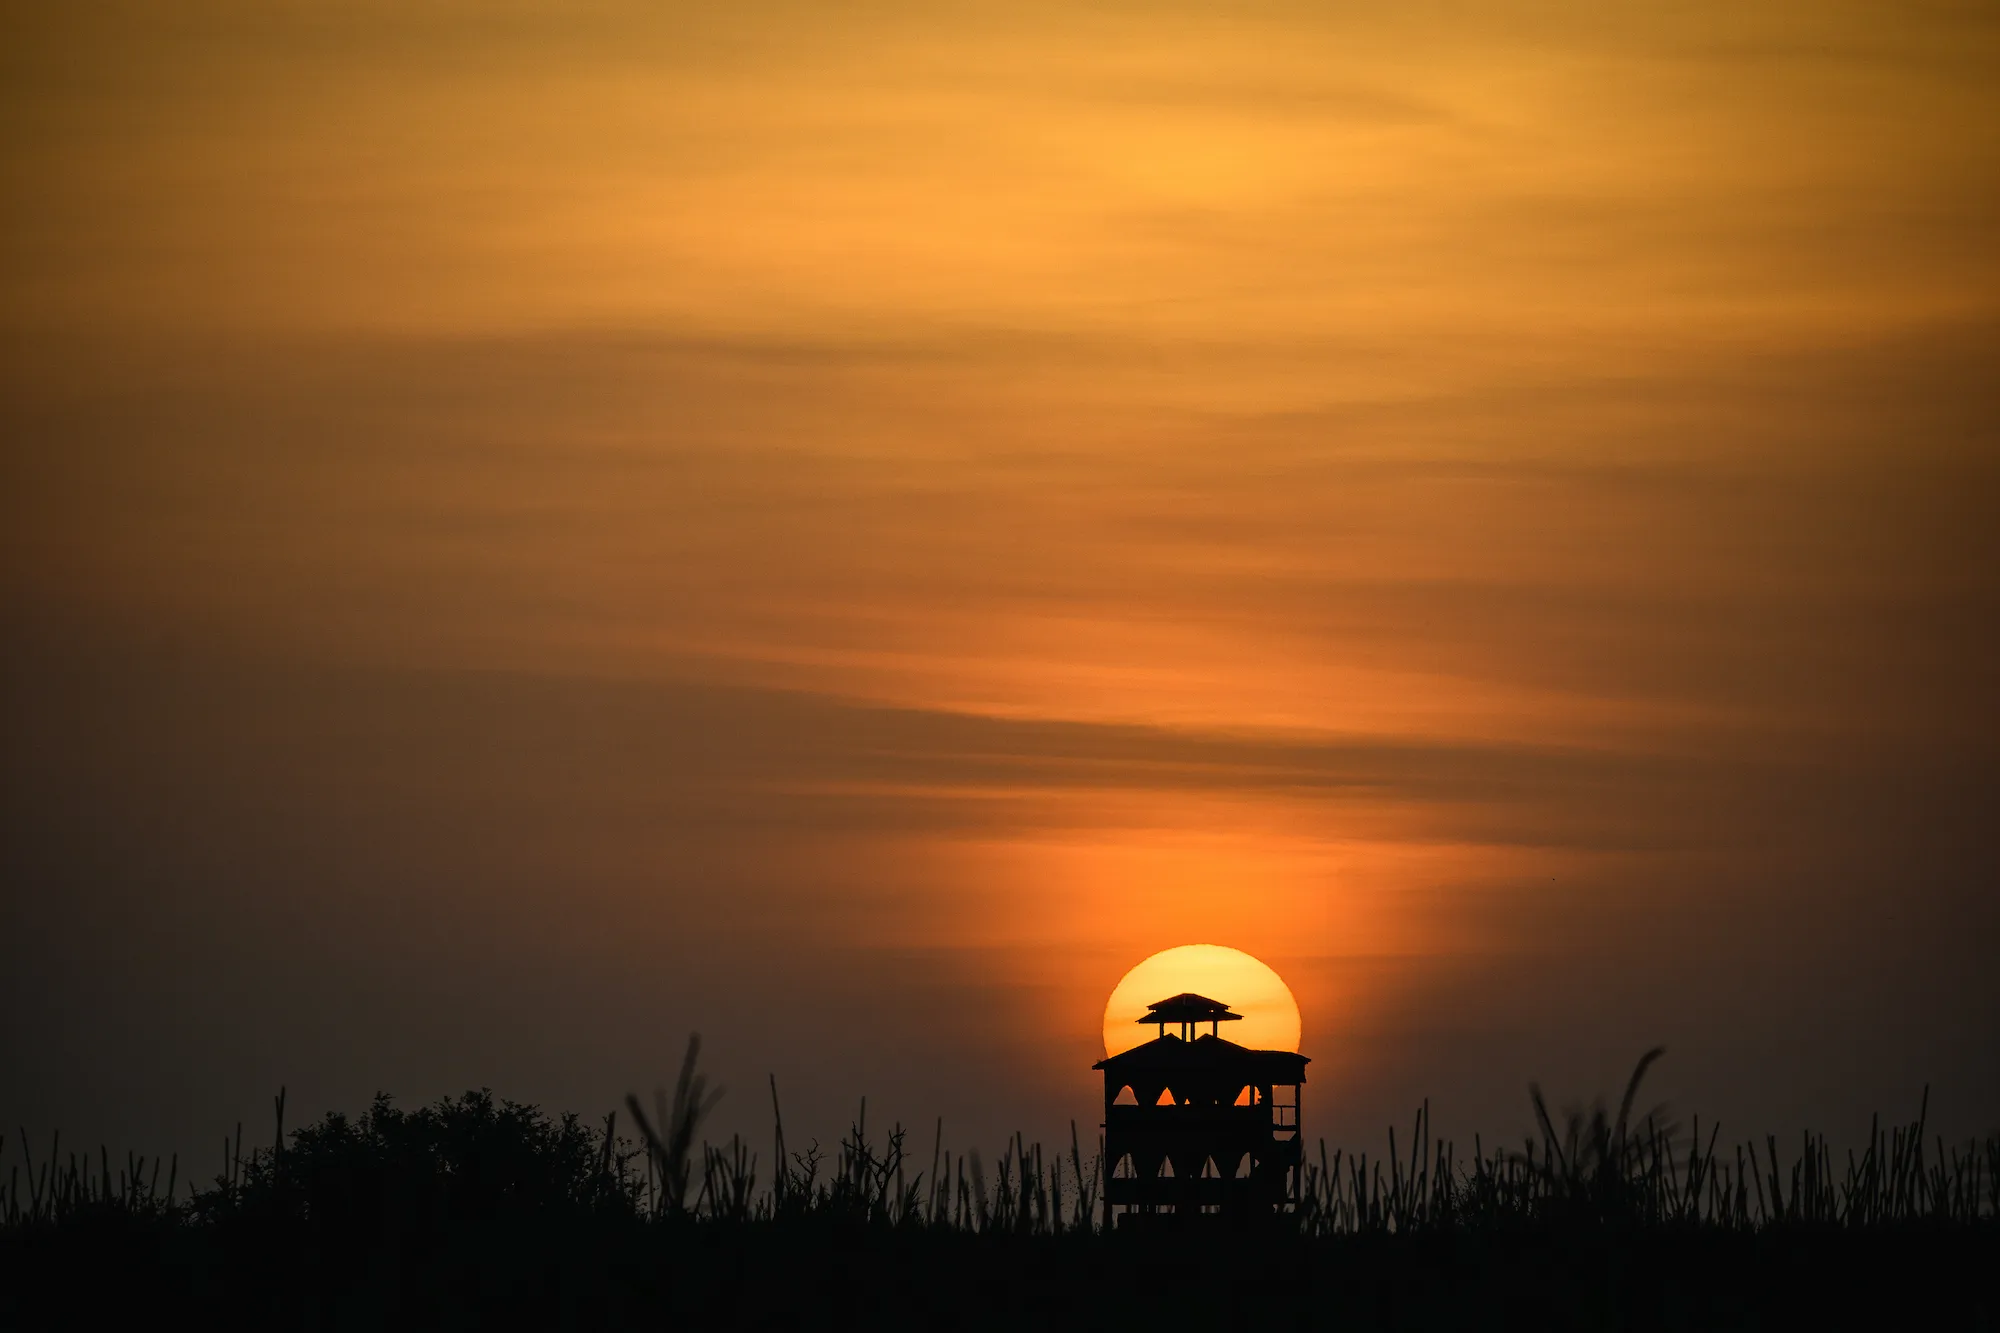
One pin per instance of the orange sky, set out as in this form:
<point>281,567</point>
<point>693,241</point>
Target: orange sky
<point>850,526</point>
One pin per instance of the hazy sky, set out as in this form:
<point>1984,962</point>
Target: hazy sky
<point>530,528</point>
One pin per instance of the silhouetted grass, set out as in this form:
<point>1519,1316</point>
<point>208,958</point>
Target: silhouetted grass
<point>475,1209</point>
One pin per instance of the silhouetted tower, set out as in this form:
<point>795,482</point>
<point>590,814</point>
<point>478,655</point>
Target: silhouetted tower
<point>1198,1125</point>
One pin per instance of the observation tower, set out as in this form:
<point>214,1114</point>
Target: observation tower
<point>1196,1126</point>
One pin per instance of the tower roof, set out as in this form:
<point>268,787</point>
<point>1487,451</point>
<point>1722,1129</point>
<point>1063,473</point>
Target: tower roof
<point>1187,1007</point>
<point>1171,1055</point>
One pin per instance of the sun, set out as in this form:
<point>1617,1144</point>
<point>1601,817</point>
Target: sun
<point>1270,1014</point>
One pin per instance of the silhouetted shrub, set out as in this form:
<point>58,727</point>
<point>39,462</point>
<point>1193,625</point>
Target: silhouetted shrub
<point>465,1159</point>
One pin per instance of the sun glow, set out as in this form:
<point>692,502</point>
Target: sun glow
<point>1270,1014</point>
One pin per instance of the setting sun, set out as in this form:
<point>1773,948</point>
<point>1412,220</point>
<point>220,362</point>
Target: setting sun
<point>1270,1014</point>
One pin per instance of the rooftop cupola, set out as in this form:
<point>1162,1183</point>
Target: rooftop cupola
<point>1190,1011</point>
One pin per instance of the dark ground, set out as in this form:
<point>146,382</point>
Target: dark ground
<point>775,1276</point>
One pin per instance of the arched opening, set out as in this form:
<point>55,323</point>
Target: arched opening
<point>1242,1169</point>
<point>1166,1098</point>
<point>1124,1170</point>
<point>1125,1097</point>
<point>1166,1171</point>
<point>1209,1171</point>
<point>1245,1097</point>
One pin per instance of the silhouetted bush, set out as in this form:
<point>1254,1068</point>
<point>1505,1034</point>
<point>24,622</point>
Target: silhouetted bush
<point>466,1158</point>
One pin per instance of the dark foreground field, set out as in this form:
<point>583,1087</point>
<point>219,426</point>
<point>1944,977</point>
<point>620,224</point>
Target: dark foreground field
<point>580,1276</point>
<point>478,1214</point>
